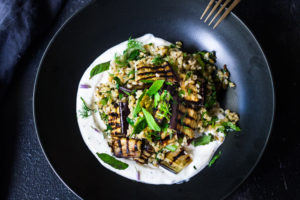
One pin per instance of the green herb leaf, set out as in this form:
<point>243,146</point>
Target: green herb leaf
<point>189,91</point>
<point>170,147</point>
<point>108,127</point>
<point>231,125</point>
<point>181,93</point>
<point>150,121</point>
<point>120,95</point>
<point>103,116</point>
<point>104,101</point>
<point>140,125</point>
<point>118,82</point>
<point>168,83</point>
<point>85,111</point>
<point>172,46</point>
<point>155,87</point>
<point>156,99</point>
<point>99,68</point>
<point>130,121</point>
<point>112,161</point>
<point>213,160</point>
<point>188,74</point>
<point>203,140</point>
<point>211,100</point>
<point>157,60</point>
<point>138,107</point>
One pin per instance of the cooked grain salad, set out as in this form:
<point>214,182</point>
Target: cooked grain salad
<point>159,100</point>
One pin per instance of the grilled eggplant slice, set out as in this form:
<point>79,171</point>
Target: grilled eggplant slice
<point>151,72</point>
<point>123,147</point>
<point>176,161</point>
<point>186,120</point>
<point>114,121</point>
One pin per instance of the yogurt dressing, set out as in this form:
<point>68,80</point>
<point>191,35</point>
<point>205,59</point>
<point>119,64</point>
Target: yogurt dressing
<point>91,129</point>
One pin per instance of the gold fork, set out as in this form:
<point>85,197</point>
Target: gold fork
<point>228,10</point>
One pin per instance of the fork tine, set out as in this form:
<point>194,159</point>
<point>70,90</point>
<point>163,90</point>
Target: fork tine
<point>207,7</point>
<point>213,10</point>
<point>219,11</point>
<point>231,7</point>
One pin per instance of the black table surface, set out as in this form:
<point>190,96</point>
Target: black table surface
<point>276,24</point>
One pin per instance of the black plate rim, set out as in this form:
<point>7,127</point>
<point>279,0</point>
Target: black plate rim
<point>89,4</point>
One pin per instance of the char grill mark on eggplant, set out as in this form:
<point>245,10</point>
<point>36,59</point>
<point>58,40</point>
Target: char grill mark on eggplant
<point>138,150</point>
<point>176,161</point>
<point>115,122</point>
<point>162,72</point>
<point>186,121</point>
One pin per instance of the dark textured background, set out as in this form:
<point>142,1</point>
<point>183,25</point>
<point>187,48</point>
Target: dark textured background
<point>275,23</point>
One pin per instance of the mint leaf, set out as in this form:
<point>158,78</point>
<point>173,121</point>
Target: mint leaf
<point>99,68</point>
<point>213,160</point>
<point>172,147</point>
<point>155,87</point>
<point>203,140</point>
<point>112,161</point>
<point>150,121</point>
<point>140,125</point>
<point>138,106</point>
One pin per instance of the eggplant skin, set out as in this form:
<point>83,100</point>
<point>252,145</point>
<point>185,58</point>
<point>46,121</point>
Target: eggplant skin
<point>176,161</point>
<point>139,150</point>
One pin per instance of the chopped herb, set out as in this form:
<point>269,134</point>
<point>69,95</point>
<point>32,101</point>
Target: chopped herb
<point>170,147</point>
<point>118,82</point>
<point>155,87</point>
<point>103,116</point>
<point>203,140</point>
<point>227,127</point>
<point>213,120</point>
<point>138,107</point>
<point>211,100</point>
<point>85,111</point>
<point>157,60</point>
<point>213,160</point>
<point>181,93</point>
<point>130,121</point>
<point>131,72</point>
<point>112,161</point>
<point>231,125</point>
<point>120,95</point>
<point>200,61</point>
<point>156,99</point>
<point>108,128</point>
<point>184,54</point>
<point>99,68</point>
<point>104,101</point>
<point>168,83</point>
<point>188,75</point>
<point>189,91</point>
<point>140,125</point>
<point>153,135</point>
<point>194,167</point>
<point>150,121</point>
<point>172,46</point>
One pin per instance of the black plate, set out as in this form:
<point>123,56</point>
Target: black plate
<point>104,24</point>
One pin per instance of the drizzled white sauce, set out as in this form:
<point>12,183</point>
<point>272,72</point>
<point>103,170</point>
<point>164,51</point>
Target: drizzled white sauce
<point>96,142</point>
